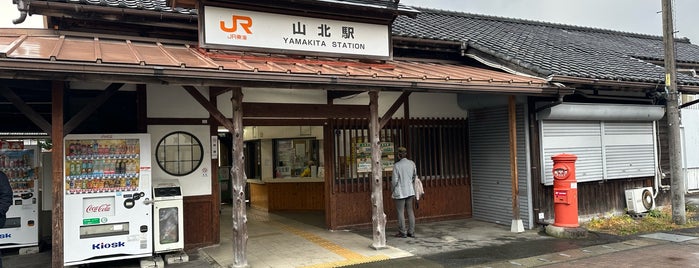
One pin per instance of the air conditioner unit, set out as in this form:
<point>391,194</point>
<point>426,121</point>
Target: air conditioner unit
<point>640,200</point>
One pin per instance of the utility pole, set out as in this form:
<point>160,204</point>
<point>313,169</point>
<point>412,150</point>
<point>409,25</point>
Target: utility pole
<point>673,118</point>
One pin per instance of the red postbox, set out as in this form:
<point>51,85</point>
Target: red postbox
<point>565,191</point>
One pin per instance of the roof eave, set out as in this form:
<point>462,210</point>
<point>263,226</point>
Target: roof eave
<point>616,83</point>
<point>28,69</point>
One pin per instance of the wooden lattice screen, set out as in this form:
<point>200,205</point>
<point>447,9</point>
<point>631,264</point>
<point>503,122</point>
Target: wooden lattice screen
<point>439,148</point>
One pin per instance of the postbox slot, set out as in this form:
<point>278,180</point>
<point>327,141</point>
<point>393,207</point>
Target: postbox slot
<point>560,196</point>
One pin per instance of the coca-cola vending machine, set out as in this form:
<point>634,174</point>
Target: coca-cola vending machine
<point>107,198</point>
<point>21,228</point>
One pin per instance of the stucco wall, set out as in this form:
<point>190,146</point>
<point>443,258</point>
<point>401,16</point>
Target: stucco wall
<point>421,104</point>
<point>197,182</point>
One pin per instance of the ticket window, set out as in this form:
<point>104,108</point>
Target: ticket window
<point>291,156</point>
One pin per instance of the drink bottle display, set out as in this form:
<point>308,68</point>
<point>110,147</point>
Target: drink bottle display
<point>107,198</point>
<point>21,225</point>
<point>101,165</point>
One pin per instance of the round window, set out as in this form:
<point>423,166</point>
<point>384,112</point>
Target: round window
<point>179,153</point>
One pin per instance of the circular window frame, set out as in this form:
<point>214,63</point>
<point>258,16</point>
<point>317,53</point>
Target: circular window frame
<point>195,162</point>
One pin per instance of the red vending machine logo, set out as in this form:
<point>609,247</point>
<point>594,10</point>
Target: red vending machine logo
<point>98,207</point>
<point>101,208</point>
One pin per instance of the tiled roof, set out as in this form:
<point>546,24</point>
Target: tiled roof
<point>46,53</point>
<point>162,5</point>
<point>153,5</point>
<point>552,49</point>
<point>382,4</point>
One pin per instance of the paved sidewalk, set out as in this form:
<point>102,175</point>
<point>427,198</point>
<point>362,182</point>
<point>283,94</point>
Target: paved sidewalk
<point>277,241</point>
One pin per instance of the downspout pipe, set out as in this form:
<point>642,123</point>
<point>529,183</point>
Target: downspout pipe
<point>23,7</point>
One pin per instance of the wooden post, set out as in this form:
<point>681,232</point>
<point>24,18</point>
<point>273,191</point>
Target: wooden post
<point>240,219</point>
<point>517,225</point>
<point>677,183</point>
<point>215,187</point>
<point>57,173</point>
<point>378,217</point>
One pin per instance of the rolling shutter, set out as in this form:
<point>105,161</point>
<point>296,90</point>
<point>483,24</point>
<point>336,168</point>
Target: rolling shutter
<point>605,150</point>
<point>580,138</point>
<point>490,166</point>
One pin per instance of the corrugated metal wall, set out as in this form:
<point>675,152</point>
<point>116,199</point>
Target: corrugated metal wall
<point>581,138</point>
<point>605,150</point>
<point>690,141</point>
<point>490,165</point>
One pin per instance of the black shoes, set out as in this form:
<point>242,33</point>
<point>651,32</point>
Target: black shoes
<point>402,235</point>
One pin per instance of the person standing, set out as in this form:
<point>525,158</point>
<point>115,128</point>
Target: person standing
<point>404,174</point>
<point>5,201</point>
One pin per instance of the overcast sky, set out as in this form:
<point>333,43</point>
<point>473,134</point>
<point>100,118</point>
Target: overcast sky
<point>638,16</point>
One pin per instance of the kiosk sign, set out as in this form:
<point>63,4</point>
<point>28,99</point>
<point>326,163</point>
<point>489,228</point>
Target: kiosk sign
<point>260,31</point>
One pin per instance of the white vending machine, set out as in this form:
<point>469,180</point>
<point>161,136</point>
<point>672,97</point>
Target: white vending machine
<point>107,198</point>
<point>22,225</point>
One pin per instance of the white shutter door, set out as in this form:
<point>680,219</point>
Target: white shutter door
<point>605,150</point>
<point>629,149</point>
<point>581,138</point>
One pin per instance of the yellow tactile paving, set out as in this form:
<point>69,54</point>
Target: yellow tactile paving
<point>349,262</point>
<point>350,256</point>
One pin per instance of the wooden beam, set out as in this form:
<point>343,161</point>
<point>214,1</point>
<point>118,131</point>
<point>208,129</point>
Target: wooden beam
<point>76,120</point>
<point>378,217</point>
<point>27,110</point>
<point>57,184</point>
<point>215,184</point>
<point>286,110</point>
<point>177,121</point>
<point>512,116</point>
<point>284,122</point>
<point>216,91</point>
<point>336,94</point>
<point>387,116</point>
<point>212,109</point>
<point>240,227</point>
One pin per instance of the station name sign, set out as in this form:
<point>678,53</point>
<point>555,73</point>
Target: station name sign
<point>228,28</point>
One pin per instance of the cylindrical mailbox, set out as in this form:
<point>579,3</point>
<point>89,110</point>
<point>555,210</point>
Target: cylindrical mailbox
<point>565,191</point>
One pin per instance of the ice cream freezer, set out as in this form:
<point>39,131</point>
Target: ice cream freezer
<point>107,198</point>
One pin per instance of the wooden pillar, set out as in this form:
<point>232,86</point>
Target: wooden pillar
<point>215,187</point>
<point>240,219</point>
<point>517,225</point>
<point>57,88</point>
<point>329,166</point>
<point>378,217</point>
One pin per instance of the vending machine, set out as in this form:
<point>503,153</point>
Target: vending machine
<point>22,227</point>
<point>107,198</point>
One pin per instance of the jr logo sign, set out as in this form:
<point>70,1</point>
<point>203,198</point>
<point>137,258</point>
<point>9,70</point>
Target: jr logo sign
<point>245,22</point>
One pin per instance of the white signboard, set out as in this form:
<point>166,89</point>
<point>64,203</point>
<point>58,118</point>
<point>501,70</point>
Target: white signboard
<point>269,31</point>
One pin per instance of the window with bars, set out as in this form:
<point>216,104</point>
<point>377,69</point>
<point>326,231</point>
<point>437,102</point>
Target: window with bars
<point>439,148</point>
